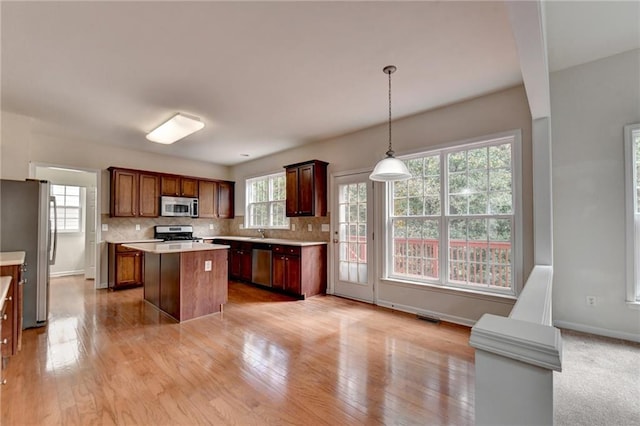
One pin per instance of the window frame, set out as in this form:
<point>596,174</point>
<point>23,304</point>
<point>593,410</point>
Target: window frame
<point>515,138</point>
<point>270,202</point>
<point>632,218</point>
<point>66,208</point>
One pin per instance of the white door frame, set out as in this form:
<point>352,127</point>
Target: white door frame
<point>98,174</point>
<point>372,269</point>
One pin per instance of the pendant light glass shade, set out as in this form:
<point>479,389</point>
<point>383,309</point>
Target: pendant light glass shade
<point>390,168</point>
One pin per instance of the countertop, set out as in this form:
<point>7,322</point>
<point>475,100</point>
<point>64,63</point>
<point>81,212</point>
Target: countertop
<point>258,240</point>
<point>5,282</point>
<point>174,247</point>
<point>133,241</point>
<point>10,258</point>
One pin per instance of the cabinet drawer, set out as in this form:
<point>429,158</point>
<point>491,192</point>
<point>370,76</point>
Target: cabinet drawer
<point>293,250</point>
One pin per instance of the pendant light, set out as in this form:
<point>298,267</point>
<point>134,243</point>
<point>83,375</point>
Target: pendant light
<point>390,168</point>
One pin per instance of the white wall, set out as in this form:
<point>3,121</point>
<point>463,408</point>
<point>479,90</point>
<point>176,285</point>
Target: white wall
<point>590,104</point>
<point>486,115</point>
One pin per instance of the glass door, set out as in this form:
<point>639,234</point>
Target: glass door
<point>352,232</point>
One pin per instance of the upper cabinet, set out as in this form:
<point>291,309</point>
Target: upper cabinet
<point>216,199</point>
<point>306,189</point>
<point>134,193</point>
<point>179,186</point>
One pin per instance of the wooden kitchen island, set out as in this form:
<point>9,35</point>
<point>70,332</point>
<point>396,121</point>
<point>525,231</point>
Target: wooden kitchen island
<point>185,280</point>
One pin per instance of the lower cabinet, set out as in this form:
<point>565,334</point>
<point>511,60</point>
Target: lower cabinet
<point>126,267</point>
<point>300,271</point>
<point>12,316</point>
<point>285,265</point>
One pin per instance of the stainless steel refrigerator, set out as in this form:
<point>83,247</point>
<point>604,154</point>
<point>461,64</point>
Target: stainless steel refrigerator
<point>28,223</point>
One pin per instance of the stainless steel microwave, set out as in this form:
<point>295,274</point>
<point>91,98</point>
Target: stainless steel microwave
<point>178,206</point>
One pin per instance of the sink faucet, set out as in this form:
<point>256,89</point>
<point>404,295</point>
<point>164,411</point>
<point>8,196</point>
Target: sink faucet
<point>261,232</point>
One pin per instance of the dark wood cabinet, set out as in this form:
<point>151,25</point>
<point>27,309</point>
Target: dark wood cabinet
<point>12,316</point>
<point>126,267</point>
<point>179,186</point>
<point>286,269</point>
<point>216,199</point>
<point>226,203</point>
<point>306,189</point>
<point>134,193</point>
<point>240,258</point>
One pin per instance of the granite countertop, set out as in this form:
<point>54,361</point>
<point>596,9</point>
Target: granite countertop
<point>280,241</point>
<point>5,282</point>
<point>10,258</point>
<point>174,247</point>
<point>148,240</point>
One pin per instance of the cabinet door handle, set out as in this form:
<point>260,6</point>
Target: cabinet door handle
<point>5,341</point>
<point>4,381</point>
<point>9,299</point>
<point>4,317</point>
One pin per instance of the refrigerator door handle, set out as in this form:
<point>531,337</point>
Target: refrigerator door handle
<point>54,230</point>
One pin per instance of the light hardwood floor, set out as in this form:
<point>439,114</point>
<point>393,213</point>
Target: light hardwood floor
<point>109,358</point>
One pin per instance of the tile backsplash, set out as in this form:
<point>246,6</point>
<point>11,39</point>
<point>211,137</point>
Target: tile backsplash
<point>123,229</point>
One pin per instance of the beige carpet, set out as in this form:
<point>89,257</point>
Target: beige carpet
<point>599,383</point>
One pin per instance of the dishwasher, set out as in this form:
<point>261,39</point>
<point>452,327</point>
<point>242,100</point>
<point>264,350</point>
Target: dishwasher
<point>261,265</point>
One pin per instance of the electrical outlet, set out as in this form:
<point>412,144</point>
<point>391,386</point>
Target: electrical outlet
<point>207,265</point>
<point>324,227</point>
<point>211,226</point>
<point>137,227</point>
<point>293,226</point>
<point>309,227</point>
<point>241,226</point>
<point>105,227</point>
<point>591,301</point>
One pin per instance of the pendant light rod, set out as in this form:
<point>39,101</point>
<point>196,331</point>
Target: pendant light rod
<point>389,69</point>
<point>390,169</point>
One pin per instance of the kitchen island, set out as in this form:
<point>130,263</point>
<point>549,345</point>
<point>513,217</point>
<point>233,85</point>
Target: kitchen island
<point>185,280</point>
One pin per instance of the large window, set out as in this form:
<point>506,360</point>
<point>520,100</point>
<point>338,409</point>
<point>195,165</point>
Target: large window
<point>632,156</point>
<point>453,222</point>
<point>266,198</point>
<point>67,207</point>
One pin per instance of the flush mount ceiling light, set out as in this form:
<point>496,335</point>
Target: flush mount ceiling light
<point>390,168</point>
<point>174,129</point>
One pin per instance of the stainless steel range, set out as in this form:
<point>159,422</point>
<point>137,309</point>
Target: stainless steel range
<point>175,233</point>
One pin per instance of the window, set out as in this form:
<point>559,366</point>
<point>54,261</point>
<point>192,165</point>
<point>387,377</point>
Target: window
<point>453,222</point>
<point>632,172</point>
<point>266,197</point>
<point>67,207</point>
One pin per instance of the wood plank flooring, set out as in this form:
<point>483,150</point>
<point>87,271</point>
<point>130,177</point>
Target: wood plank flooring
<point>109,358</point>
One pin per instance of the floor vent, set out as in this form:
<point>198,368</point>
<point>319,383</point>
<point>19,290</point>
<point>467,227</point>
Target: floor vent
<point>428,318</point>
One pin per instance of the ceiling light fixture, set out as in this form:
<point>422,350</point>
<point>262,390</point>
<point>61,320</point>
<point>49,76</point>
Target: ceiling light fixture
<point>174,129</point>
<point>390,168</point>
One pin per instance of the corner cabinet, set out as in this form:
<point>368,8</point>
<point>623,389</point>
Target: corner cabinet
<point>134,193</point>
<point>306,189</point>
<point>126,267</point>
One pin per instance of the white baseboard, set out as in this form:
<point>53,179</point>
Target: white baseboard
<point>66,273</point>
<point>412,310</point>
<point>598,331</point>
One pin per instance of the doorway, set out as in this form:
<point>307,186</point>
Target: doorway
<point>76,192</point>
<point>353,254</point>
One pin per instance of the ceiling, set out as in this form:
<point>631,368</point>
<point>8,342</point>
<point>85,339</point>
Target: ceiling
<point>263,76</point>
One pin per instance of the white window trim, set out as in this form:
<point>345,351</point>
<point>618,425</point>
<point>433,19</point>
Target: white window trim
<point>632,249</point>
<point>516,158</point>
<point>247,197</point>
